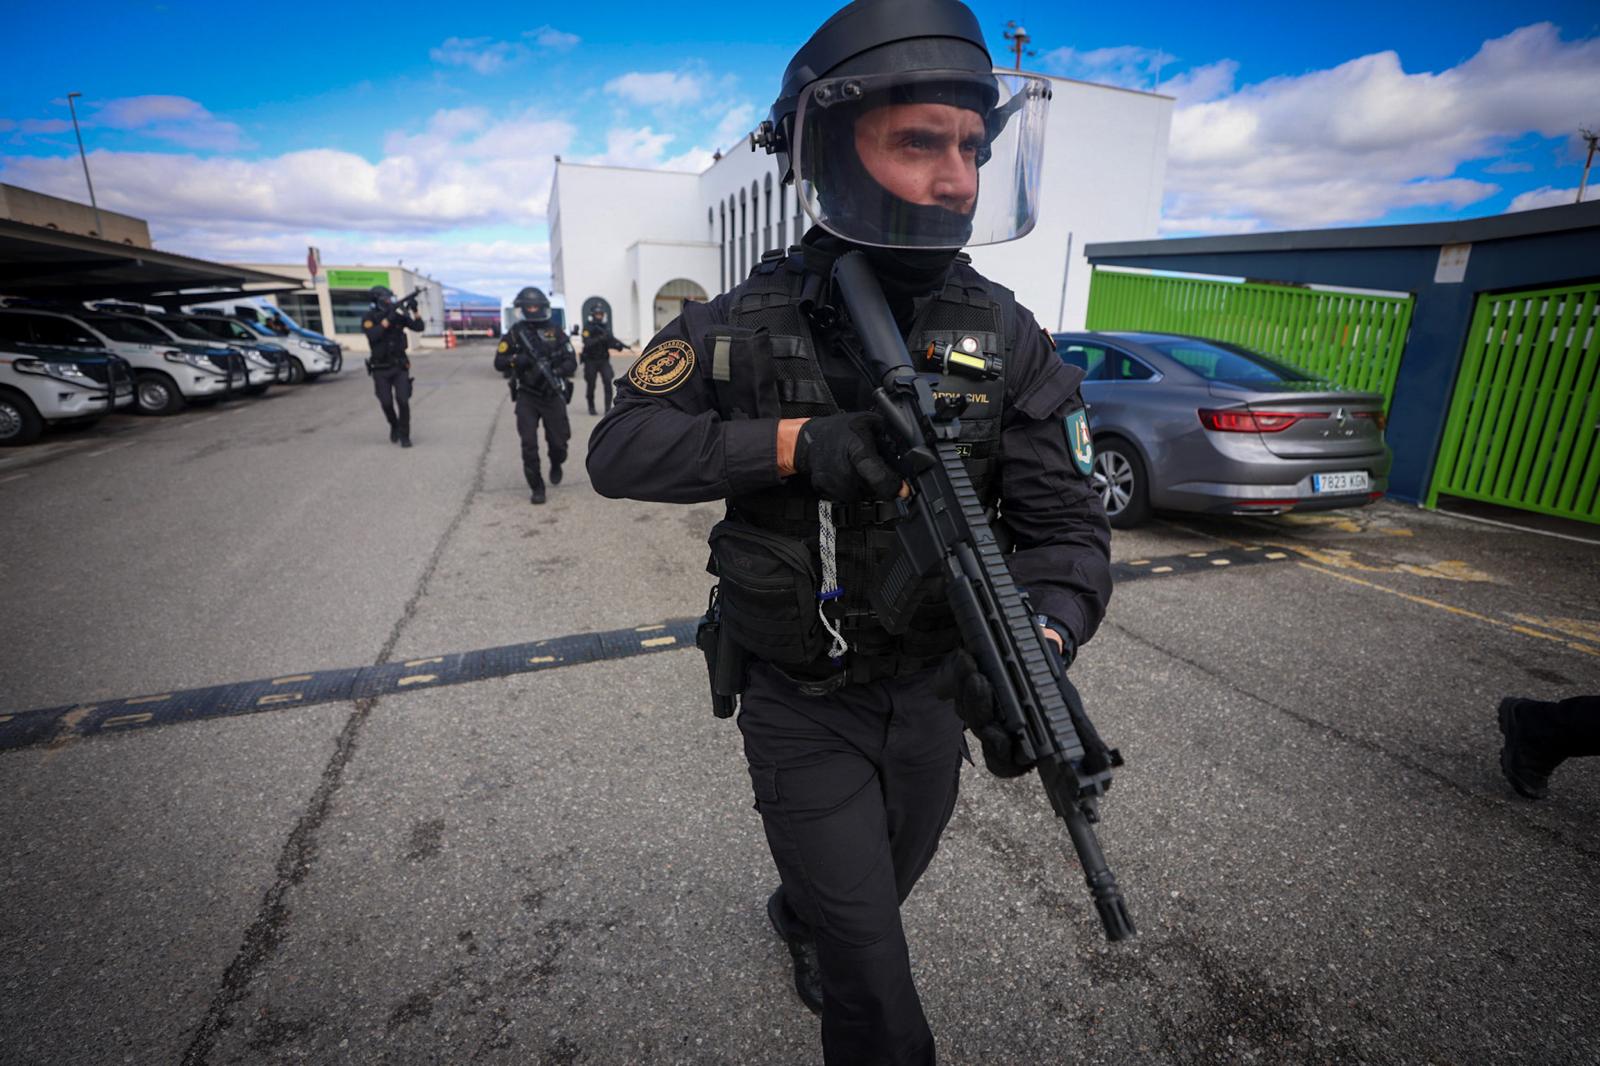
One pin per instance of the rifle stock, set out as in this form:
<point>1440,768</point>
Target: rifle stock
<point>943,529</point>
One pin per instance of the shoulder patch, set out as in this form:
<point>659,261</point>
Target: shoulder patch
<point>663,368</point>
<point>504,347</point>
<point>366,323</point>
<point>1079,441</point>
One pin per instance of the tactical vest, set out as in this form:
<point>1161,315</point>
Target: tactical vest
<point>765,365</point>
<point>534,340</point>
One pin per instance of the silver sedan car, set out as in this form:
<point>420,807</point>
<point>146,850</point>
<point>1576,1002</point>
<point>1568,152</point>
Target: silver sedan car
<point>1186,424</point>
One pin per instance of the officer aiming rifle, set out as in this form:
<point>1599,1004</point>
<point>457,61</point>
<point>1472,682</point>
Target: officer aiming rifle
<point>385,325</point>
<point>538,359</point>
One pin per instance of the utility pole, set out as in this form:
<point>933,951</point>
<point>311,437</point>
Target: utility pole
<point>1019,41</point>
<point>99,230</point>
<point>1591,137</point>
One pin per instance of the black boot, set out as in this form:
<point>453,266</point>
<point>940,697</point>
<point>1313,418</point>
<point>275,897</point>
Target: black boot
<point>1525,766</point>
<point>555,472</point>
<point>592,410</point>
<point>394,432</point>
<point>537,495</point>
<point>803,950</point>
<point>405,440</point>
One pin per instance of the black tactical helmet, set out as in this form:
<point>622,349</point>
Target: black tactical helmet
<point>534,304</point>
<point>875,37</point>
<point>381,295</point>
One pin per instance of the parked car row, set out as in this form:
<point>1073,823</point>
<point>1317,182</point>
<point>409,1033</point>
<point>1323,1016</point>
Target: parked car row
<point>70,363</point>
<point>1182,423</point>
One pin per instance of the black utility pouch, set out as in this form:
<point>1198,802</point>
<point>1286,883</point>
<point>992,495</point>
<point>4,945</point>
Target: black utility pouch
<point>768,593</point>
<point>725,661</point>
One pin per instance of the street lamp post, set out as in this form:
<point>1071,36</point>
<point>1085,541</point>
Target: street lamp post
<point>99,229</point>
<point>1591,137</point>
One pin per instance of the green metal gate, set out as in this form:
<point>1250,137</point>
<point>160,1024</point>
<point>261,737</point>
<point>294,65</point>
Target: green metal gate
<point>1354,339</point>
<point>1522,428</point>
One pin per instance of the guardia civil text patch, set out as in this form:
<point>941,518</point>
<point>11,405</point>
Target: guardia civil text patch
<point>1079,441</point>
<point>663,368</point>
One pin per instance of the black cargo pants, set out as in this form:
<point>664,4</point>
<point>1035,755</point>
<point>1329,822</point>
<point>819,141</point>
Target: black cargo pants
<point>393,386</point>
<point>854,789</point>
<point>551,409</point>
<point>601,368</point>
<point>1561,730</point>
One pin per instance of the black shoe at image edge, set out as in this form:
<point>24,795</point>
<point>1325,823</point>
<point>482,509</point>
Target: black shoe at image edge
<point>1525,773</point>
<point>555,473</point>
<point>807,968</point>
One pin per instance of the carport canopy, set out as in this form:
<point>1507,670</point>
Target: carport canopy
<point>47,264</point>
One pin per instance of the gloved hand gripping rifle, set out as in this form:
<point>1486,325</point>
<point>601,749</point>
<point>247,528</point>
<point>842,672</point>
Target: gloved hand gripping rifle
<point>943,530</point>
<point>539,359</point>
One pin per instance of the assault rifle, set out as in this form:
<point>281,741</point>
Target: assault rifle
<point>542,367</point>
<point>943,530</point>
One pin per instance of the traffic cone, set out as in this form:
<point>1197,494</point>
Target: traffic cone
<point>449,338</point>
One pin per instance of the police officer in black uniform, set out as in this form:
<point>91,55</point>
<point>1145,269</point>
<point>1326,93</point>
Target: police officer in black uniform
<point>539,358</point>
<point>598,344</point>
<point>885,120</point>
<point>385,325</point>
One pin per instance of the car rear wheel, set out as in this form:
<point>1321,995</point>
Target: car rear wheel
<point>19,422</point>
<point>297,371</point>
<point>1119,478</point>
<point>157,394</point>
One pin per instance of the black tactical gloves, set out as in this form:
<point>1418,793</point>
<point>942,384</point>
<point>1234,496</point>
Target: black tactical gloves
<point>839,453</point>
<point>959,680</point>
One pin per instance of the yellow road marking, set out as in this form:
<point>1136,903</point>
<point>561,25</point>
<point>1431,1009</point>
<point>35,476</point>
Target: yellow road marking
<point>417,679</point>
<point>1198,555</point>
<point>649,629</point>
<point>1572,627</point>
<point>425,662</point>
<point>656,642</point>
<point>279,697</point>
<point>1162,570</point>
<point>6,717</point>
<point>1277,555</point>
<point>1458,611</point>
<point>1221,562</point>
<point>126,719</point>
<point>1140,562</point>
<point>291,680</point>
<point>148,699</point>
<point>543,659</point>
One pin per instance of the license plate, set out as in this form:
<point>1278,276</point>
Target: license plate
<point>1354,481</point>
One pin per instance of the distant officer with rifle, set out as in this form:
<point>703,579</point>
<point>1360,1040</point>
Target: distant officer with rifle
<point>598,344</point>
<point>540,362</point>
<point>912,542</point>
<point>385,325</point>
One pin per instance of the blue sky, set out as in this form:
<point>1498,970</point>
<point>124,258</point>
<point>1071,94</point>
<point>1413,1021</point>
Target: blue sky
<point>425,132</point>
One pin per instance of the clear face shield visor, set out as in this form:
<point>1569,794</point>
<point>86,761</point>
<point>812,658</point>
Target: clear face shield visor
<point>926,159</point>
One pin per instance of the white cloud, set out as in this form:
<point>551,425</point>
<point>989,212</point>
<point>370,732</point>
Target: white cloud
<point>463,169</point>
<point>660,89</point>
<point>178,119</point>
<point>1357,141</point>
<point>736,124</point>
<point>482,54</point>
<point>1127,66</point>
<point>1552,197</point>
<point>553,39</point>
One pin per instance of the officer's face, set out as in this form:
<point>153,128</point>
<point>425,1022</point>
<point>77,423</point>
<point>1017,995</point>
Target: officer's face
<point>923,153</point>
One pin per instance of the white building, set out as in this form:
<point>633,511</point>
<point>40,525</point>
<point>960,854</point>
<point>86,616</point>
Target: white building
<point>334,301</point>
<point>647,239</point>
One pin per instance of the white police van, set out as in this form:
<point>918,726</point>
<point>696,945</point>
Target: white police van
<point>48,384</point>
<point>166,374</point>
<point>310,354</point>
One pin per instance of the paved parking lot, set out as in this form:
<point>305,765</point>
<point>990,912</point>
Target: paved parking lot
<point>559,863</point>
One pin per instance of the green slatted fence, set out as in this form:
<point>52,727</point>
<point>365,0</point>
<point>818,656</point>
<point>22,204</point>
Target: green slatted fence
<point>1522,429</point>
<point>1354,339</point>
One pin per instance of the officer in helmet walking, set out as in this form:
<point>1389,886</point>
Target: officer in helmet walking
<point>886,120</point>
<point>540,361</point>
<point>385,325</point>
<point>598,344</point>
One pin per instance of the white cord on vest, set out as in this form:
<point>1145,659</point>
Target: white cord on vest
<point>828,549</point>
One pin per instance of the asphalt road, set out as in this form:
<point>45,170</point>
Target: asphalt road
<point>563,866</point>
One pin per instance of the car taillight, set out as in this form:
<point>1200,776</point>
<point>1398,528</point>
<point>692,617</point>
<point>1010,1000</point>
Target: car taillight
<point>1240,421</point>
<point>1379,419</point>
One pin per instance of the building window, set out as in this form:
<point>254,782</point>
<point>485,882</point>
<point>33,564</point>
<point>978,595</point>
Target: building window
<point>783,215</point>
<point>766,219</point>
<point>744,222</point>
<point>722,248</point>
<point>755,222</point>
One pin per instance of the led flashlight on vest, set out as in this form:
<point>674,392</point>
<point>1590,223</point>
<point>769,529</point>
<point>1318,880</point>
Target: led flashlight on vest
<point>965,357</point>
